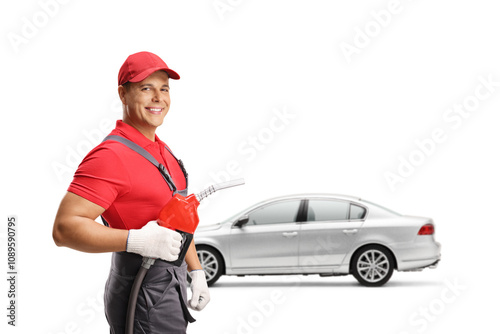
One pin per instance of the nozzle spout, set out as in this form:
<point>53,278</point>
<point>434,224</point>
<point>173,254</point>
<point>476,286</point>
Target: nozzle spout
<point>210,190</point>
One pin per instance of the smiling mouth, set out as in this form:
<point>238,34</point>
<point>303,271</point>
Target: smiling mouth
<point>155,111</point>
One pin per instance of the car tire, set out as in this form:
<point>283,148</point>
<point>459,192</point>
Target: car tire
<point>212,263</point>
<point>372,265</point>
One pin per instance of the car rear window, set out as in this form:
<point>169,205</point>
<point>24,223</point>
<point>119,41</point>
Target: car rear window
<point>382,207</point>
<point>356,212</point>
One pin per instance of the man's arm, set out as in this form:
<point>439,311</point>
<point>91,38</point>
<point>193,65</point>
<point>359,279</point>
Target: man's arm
<point>192,258</point>
<point>75,227</point>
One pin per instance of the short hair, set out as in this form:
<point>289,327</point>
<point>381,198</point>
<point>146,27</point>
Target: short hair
<point>126,85</point>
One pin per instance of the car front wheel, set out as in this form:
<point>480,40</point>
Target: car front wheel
<point>373,265</point>
<point>211,262</point>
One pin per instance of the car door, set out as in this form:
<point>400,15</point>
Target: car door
<point>328,232</point>
<point>268,242</point>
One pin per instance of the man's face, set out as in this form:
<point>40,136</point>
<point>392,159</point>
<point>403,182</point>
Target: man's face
<point>146,102</point>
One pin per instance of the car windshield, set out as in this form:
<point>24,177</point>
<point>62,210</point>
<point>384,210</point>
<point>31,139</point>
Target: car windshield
<point>234,217</point>
<point>381,207</point>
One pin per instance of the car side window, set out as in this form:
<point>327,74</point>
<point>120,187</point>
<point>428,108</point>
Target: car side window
<point>326,210</point>
<point>275,213</point>
<point>356,212</point>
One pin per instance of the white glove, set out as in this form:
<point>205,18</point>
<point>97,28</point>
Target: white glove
<point>155,241</point>
<point>199,288</point>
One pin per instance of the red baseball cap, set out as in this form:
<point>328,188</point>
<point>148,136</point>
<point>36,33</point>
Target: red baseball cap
<point>141,65</point>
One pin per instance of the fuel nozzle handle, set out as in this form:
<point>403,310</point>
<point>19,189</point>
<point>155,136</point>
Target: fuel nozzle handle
<point>213,188</point>
<point>180,213</point>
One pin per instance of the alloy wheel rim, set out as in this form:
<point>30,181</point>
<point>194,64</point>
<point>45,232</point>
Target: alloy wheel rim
<point>373,266</point>
<point>208,263</point>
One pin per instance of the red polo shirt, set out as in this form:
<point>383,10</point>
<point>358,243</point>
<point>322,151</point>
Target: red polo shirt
<point>125,184</point>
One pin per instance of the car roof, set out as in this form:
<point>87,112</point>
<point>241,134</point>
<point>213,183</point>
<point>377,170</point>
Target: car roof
<point>315,195</point>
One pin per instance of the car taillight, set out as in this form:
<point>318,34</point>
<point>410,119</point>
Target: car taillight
<point>427,229</point>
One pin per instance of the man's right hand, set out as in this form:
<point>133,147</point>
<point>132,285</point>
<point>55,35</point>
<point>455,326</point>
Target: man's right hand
<point>155,241</point>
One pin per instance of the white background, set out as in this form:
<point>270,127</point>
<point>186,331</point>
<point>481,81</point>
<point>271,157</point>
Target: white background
<point>351,119</point>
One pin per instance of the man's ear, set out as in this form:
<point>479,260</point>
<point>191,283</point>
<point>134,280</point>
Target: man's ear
<point>121,93</point>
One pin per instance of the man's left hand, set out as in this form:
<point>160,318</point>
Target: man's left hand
<point>199,288</point>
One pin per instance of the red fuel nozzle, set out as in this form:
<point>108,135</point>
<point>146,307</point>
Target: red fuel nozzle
<point>180,214</point>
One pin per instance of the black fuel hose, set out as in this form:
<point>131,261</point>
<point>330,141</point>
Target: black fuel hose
<point>134,293</point>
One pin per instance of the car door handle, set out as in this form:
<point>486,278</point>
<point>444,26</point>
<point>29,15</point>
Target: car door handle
<point>290,234</point>
<point>352,231</point>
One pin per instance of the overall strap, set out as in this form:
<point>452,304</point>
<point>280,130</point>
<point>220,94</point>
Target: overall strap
<point>138,149</point>
<point>181,165</point>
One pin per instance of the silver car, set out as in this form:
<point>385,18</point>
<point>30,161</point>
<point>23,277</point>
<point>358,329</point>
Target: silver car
<point>329,235</point>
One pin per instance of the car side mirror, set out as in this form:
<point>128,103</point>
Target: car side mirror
<point>242,221</point>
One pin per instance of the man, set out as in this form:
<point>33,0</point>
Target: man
<point>119,184</point>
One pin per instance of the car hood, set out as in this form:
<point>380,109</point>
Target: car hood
<point>206,228</point>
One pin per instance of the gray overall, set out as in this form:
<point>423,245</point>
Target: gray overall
<point>161,304</point>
